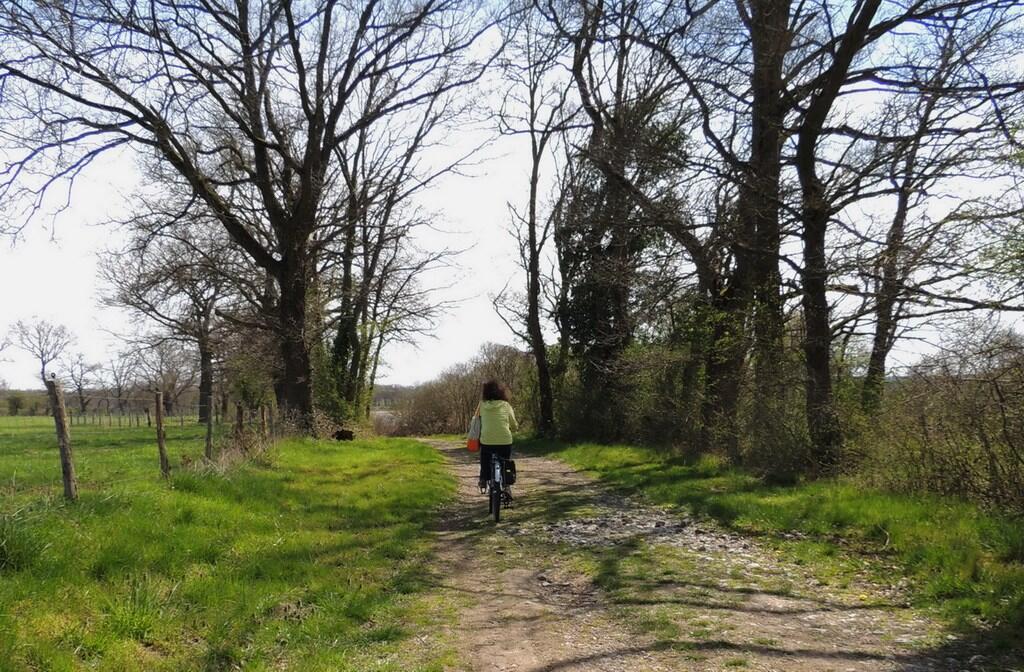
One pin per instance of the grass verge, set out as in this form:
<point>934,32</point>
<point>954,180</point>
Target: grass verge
<point>967,563</point>
<point>312,562</point>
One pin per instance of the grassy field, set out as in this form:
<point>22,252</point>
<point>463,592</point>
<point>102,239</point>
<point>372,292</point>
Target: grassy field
<point>964,562</point>
<point>310,560</point>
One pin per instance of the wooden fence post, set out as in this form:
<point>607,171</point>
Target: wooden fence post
<point>149,422</point>
<point>209,427</point>
<point>263,422</point>
<point>165,465</point>
<point>67,461</point>
<point>209,435</point>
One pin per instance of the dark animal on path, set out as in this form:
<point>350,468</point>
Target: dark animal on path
<point>343,435</point>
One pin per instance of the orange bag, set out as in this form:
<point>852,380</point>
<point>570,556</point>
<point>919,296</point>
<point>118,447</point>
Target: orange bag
<point>473,440</point>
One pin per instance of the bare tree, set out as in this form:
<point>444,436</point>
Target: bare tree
<point>728,62</point>
<point>168,366</point>
<point>802,64</point>
<point>382,170</point>
<point>929,143</point>
<point>175,278</point>
<point>42,339</point>
<point>538,107</point>
<point>252,127</point>
<point>774,89</point>
<point>4,344</point>
<point>832,72</point>
<point>121,374</point>
<point>402,308</point>
<point>82,375</point>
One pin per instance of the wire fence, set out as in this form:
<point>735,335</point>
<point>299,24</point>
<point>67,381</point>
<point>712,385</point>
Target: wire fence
<point>229,431</point>
<point>135,420</point>
<point>126,412</point>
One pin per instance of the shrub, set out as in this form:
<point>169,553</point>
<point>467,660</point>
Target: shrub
<point>20,545</point>
<point>955,424</point>
<point>136,613</point>
<point>15,402</point>
<point>445,405</point>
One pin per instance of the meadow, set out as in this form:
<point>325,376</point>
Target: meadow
<point>965,563</point>
<point>307,558</point>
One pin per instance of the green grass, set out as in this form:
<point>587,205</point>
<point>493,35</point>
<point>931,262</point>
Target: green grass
<point>966,562</point>
<point>312,560</point>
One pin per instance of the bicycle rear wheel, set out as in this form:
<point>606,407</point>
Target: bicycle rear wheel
<point>496,503</point>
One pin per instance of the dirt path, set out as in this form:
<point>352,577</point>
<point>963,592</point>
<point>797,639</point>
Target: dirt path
<point>577,578</point>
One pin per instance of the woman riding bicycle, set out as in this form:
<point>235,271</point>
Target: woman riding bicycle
<point>497,422</point>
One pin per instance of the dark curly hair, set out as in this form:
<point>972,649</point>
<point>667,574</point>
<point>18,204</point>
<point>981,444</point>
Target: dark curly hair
<point>494,391</point>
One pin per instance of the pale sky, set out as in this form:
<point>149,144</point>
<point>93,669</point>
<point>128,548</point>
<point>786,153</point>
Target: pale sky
<point>52,272</point>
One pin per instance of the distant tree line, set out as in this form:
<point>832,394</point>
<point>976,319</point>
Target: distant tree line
<point>124,383</point>
<point>445,404</point>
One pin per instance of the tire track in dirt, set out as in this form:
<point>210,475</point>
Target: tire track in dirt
<point>524,616</point>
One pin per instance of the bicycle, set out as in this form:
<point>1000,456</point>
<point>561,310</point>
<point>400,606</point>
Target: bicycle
<point>499,485</point>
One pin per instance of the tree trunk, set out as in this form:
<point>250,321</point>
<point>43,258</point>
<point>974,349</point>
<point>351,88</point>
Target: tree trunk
<point>67,461</point>
<point>890,282</point>
<point>546,421</point>
<point>881,343</point>
<point>372,381</point>
<point>239,420</point>
<point>295,389</point>
<point>205,380</point>
<point>345,349</point>
<point>822,418</point>
<point>726,350</point>
<point>355,377</point>
<point>759,201</point>
<point>42,376</point>
<point>161,439</point>
<point>208,447</point>
<point>723,373</point>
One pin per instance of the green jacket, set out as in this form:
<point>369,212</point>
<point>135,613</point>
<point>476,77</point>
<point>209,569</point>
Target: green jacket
<point>497,422</point>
